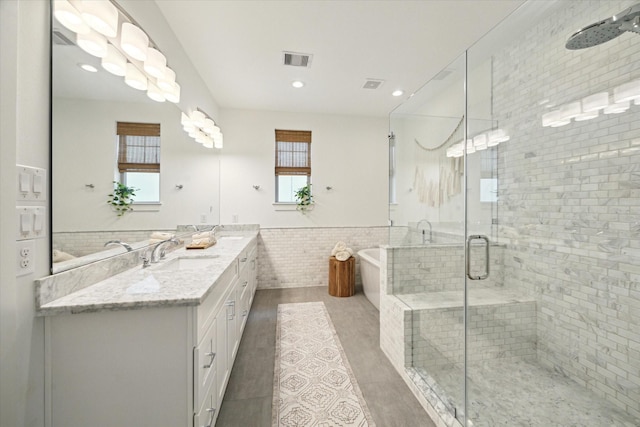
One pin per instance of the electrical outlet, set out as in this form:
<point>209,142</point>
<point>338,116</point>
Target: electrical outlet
<point>234,218</point>
<point>25,257</point>
<point>203,218</point>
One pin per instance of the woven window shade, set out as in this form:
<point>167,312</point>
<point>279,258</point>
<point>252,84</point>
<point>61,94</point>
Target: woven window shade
<point>293,152</point>
<point>138,147</point>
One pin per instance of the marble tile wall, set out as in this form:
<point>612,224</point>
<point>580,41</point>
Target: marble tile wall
<point>569,201</point>
<point>298,257</point>
<point>88,242</point>
<point>436,268</point>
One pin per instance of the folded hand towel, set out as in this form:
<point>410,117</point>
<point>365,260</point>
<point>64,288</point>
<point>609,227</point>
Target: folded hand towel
<point>205,235</point>
<point>204,242</point>
<point>343,255</point>
<point>340,246</point>
<point>161,235</point>
<point>59,256</point>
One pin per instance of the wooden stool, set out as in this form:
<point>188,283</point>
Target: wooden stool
<point>342,277</point>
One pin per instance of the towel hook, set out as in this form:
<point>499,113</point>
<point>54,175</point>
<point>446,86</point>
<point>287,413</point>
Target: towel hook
<point>329,188</point>
<point>256,187</point>
<point>90,186</point>
<point>179,186</point>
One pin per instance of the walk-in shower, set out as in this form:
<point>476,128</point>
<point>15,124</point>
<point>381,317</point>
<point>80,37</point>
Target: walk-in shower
<point>607,29</point>
<point>523,309</point>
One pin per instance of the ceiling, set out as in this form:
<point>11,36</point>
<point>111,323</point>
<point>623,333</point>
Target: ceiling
<point>237,47</point>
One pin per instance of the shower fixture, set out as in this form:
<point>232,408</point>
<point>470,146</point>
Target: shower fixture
<point>605,30</point>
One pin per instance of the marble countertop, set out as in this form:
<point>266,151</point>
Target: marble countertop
<point>157,285</point>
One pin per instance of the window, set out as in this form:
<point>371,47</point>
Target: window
<point>139,159</point>
<point>293,163</point>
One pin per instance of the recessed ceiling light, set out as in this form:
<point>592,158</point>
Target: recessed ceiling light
<point>297,84</point>
<point>89,68</point>
<point>397,92</point>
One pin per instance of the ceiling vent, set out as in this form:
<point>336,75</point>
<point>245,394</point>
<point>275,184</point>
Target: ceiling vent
<point>60,39</point>
<point>372,84</point>
<point>297,59</point>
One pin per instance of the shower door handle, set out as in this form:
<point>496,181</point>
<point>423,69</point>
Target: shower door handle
<point>470,239</point>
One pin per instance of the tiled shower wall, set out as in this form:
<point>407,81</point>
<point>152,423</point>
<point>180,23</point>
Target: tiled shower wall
<point>298,257</point>
<point>570,201</point>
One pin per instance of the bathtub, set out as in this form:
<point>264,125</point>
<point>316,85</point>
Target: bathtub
<point>370,273</point>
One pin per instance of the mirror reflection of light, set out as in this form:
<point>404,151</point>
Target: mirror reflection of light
<point>89,68</point>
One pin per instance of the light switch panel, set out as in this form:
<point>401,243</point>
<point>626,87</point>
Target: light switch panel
<point>31,222</point>
<point>32,184</point>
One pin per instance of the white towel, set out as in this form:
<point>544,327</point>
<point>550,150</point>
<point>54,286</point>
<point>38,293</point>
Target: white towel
<point>343,255</point>
<point>59,256</point>
<point>161,235</point>
<point>203,242</point>
<point>340,246</point>
<point>205,235</point>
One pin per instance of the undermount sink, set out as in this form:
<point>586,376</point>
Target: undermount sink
<point>187,263</point>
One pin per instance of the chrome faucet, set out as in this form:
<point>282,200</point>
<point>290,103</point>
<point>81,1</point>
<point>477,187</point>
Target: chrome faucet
<point>118,242</point>
<point>158,247</point>
<point>195,227</point>
<point>423,231</point>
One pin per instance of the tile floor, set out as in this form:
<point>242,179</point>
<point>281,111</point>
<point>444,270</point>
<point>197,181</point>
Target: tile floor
<point>247,401</point>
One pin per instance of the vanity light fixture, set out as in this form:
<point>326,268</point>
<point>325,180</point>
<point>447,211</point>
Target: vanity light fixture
<point>93,43</point>
<point>70,17</point>
<point>397,92</point>
<point>94,21</point>
<point>617,108</point>
<point>134,41</point>
<point>135,78</point>
<point>155,93</point>
<point>479,142</point>
<point>627,92</point>
<point>297,84</point>
<point>156,63</point>
<point>114,62</point>
<point>101,15</point>
<point>202,128</point>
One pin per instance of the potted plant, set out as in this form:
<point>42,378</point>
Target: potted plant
<point>121,198</point>
<point>304,198</point>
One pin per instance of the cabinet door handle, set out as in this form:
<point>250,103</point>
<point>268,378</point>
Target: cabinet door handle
<point>243,259</point>
<point>232,304</point>
<point>212,412</point>
<point>244,313</point>
<point>246,282</point>
<point>212,355</point>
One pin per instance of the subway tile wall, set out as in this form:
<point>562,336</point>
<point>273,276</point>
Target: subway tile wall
<point>570,201</point>
<point>298,257</point>
<point>87,242</point>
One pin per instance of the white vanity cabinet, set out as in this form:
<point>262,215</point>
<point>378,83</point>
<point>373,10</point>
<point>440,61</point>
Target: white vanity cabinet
<point>154,366</point>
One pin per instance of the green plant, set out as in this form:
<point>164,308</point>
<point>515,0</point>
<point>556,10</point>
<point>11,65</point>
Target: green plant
<point>122,198</point>
<point>304,197</point>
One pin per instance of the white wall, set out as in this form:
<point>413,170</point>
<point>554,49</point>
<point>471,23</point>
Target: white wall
<point>24,139</point>
<point>348,153</point>
<point>84,152</point>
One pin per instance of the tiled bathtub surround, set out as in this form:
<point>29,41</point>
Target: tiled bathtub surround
<point>570,201</point>
<point>298,257</point>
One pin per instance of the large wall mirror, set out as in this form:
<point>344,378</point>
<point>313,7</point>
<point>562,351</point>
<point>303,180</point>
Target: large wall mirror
<point>86,108</point>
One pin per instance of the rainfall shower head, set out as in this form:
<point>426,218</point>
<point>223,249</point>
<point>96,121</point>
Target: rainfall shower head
<point>608,29</point>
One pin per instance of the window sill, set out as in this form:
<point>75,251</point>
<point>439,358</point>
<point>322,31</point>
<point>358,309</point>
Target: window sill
<point>146,206</point>
<point>279,206</point>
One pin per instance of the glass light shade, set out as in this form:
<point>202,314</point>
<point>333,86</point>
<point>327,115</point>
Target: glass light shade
<point>197,118</point>
<point>595,102</point>
<point>208,126</point>
<point>201,137</point>
<point>135,78</point>
<point>570,110</point>
<point>193,133</point>
<point>102,16</point>
<point>70,17</point>
<point>587,116</point>
<point>618,107</point>
<point>218,141</point>
<point>174,94</point>
<point>496,136</point>
<point>168,79</point>
<point>627,92</point>
<point>636,101</point>
<point>188,128</point>
<point>554,119</point>
<point>156,63</point>
<point>114,62</point>
<point>470,148</point>
<point>208,143</point>
<point>134,41</point>
<point>480,141</point>
<point>215,130</point>
<point>92,43</point>
<point>155,93</point>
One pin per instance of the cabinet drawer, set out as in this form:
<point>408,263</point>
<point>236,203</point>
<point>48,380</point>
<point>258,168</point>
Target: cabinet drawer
<point>204,366</point>
<point>208,413</point>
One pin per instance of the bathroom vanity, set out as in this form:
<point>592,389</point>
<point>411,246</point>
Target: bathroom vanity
<point>151,346</point>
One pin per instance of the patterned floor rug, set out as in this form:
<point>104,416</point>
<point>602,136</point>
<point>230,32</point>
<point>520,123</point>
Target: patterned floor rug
<point>313,383</point>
